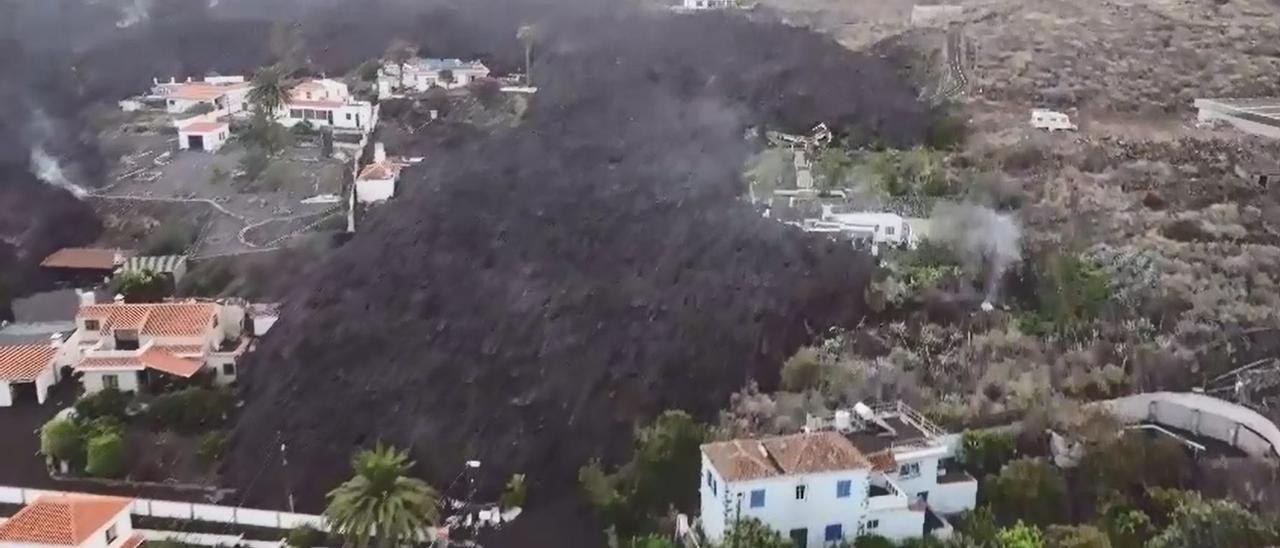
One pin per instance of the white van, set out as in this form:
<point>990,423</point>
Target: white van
<point>1051,120</point>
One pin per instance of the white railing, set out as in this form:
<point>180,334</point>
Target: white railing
<point>188,511</point>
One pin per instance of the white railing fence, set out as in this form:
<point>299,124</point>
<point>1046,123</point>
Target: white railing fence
<point>188,511</point>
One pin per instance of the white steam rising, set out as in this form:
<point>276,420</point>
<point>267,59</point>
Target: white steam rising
<point>47,169</point>
<point>988,241</point>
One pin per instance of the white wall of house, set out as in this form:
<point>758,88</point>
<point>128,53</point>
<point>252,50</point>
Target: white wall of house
<point>210,141</point>
<point>223,367</point>
<point>896,524</point>
<point>179,105</point>
<point>44,381</point>
<point>128,379</point>
<point>918,471</point>
<point>952,497</point>
<point>375,190</point>
<point>781,510</point>
<point>6,394</point>
<point>357,115</point>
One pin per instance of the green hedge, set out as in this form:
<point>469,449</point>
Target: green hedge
<point>191,410</point>
<point>106,456</point>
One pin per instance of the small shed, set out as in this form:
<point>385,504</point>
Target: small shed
<point>206,136</point>
<point>87,265</point>
<point>172,265</point>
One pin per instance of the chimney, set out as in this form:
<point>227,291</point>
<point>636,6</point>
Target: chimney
<point>119,299</point>
<point>86,298</point>
<point>379,152</point>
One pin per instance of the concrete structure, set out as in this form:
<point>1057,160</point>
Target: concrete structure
<point>423,74</point>
<point>870,230</point>
<point>327,103</point>
<point>699,5</point>
<point>1259,172</point>
<point>1051,120</point>
<point>71,521</point>
<point>260,317</point>
<point>224,95</point>
<point>1201,415</point>
<point>129,346</point>
<point>208,136</point>
<point>815,488</point>
<point>1257,116</point>
<point>89,265</point>
<point>174,266</point>
<point>377,181</point>
<point>938,15</point>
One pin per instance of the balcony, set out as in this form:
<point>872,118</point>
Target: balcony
<point>106,348</point>
<point>884,494</point>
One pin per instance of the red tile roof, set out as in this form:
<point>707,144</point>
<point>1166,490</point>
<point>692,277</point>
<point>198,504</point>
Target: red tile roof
<point>379,171</point>
<point>155,358</point>
<point>25,362</point>
<point>183,349</point>
<point>784,455</point>
<point>62,519</point>
<point>314,104</point>
<point>84,257</point>
<point>203,127</point>
<point>134,541</point>
<point>197,92</point>
<point>159,319</point>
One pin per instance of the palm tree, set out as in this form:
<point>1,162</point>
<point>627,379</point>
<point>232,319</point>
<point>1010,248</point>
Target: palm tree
<point>527,35</point>
<point>269,93</point>
<point>381,500</point>
<point>400,52</point>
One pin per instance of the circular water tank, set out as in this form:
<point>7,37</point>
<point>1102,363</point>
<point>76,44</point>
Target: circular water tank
<point>844,420</point>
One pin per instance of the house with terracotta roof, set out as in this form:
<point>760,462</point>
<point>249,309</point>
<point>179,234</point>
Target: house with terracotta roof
<point>71,521</point>
<point>90,265</point>
<point>377,181</point>
<point>324,102</point>
<point>27,371</point>
<point>205,133</point>
<point>815,488</point>
<point>225,95</point>
<point>130,347</point>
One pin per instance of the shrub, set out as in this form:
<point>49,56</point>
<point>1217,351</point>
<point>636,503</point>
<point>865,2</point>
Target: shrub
<point>254,163</point>
<point>803,371</point>
<point>1029,489</point>
<point>304,536</point>
<point>1072,293</point>
<point>190,409</point>
<point>1020,535</point>
<point>106,456</point>
<point>872,541</point>
<point>61,439</point>
<point>212,446</point>
<point>1075,536</point>
<point>515,492</point>
<point>984,452</point>
<point>104,403</point>
<point>486,90</point>
<point>142,286</point>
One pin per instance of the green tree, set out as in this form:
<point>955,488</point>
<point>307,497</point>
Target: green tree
<point>1125,526</point>
<point>400,52</point>
<point>1205,524</point>
<point>528,35</point>
<point>1072,293</point>
<point>141,286</point>
<point>269,92</point>
<point>802,371</point>
<point>751,533</point>
<point>61,439</point>
<point>266,134</point>
<point>304,536</point>
<point>106,457</point>
<point>649,541</point>
<point>1075,536</point>
<point>831,168</point>
<point>984,453</point>
<point>978,527</point>
<point>514,493</point>
<point>1030,490</point>
<point>1020,535</point>
<point>104,403</point>
<point>382,498</point>
<point>872,541</point>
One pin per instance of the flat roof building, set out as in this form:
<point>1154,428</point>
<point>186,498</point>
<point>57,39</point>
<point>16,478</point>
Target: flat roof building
<point>1259,116</point>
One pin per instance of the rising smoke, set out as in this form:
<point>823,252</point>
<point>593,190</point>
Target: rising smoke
<point>988,241</point>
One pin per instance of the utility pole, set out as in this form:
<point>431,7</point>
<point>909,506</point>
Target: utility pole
<point>284,469</point>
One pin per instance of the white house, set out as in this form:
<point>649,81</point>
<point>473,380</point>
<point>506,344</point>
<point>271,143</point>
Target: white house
<point>1051,120</point>
<point>377,181</point>
<point>899,438</point>
<point>873,228</point>
<point>205,135</point>
<point>423,74</point>
<point>697,5</point>
<point>71,521</point>
<point>327,102</point>
<point>125,346</point>
<point>224,94</point>
<point>27,371</point>
<point>815,488</point>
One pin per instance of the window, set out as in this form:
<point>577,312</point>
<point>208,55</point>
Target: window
<point>888,230</point>
<point>172,102</point>
<point>229,369</point>
<point>799,492</point>
<point>833,533</point>
<point>873,524</point>
<point>757,498</point>
<point>92,325</point>
<point>295,113</point>
<point>348,116</point>
<point>111,382</point>
<point>909,470</point>
<point>112,534</point>
<point>842,488</point>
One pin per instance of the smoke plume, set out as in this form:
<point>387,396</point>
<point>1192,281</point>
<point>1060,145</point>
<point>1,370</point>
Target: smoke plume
<point>987,240</point>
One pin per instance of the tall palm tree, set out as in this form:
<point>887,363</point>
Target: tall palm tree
<point>380,500</point>
<point>527,35</point>
<point>269,93</point>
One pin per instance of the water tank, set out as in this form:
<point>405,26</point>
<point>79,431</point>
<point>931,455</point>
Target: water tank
<point>844,420</point>
<point>865,413</point>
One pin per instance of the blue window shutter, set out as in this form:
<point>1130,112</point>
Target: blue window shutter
<point>834,532</point>
<point>843,488</point>
<point>757,498</point>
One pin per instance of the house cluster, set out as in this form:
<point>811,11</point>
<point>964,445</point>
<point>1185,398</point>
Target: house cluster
<point>203,109</point>
<point>867,230</point>
<point>885,471</point>
<point>419,75</point>
<point>72,521</point>
<point>702,5</point>
<point>129,347</point>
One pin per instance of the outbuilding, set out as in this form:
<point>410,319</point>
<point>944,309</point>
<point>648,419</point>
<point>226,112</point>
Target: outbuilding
<point>203,135</point>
